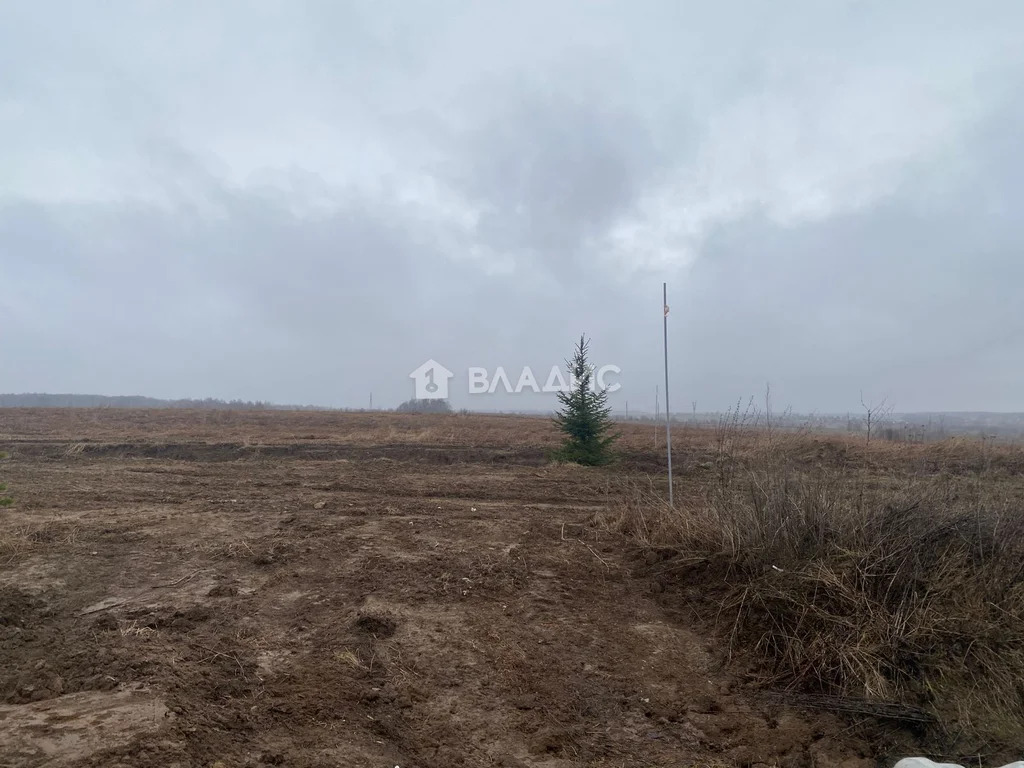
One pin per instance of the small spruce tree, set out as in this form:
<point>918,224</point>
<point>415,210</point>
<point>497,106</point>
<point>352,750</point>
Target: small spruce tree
<point>585,415</point>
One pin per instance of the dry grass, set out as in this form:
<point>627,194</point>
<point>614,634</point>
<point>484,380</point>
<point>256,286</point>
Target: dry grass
<point>15,541</point>
<point>21,539</point>
<point>133,629</point>
<point>5,501</point>
<point>349,657</point>
<point>893,574</point>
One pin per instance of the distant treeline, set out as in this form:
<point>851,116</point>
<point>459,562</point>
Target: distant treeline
<point>38,400</point>
<point>896,427</point>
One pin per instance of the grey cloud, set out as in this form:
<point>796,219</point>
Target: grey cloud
<point>916,296</point>
<point>302,203</point>
<point>550,172</point>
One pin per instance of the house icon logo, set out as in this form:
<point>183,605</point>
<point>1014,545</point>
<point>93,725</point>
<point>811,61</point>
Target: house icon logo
<point>431,381</point>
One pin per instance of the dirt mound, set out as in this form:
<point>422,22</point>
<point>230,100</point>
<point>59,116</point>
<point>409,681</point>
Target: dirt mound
<point>376,625</point>
<point>421,453</point>
<point>45,655</point>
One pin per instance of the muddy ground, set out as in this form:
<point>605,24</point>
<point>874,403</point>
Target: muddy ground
<point>329,590</point>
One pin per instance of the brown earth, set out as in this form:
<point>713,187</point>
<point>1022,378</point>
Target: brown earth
<point>312,589</point>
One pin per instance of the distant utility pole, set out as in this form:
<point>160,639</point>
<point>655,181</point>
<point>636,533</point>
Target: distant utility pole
<point>668,409</point>
<point>371,401</point>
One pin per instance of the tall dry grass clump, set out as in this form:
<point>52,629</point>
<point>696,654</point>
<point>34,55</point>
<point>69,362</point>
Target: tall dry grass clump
<point>861,583</point>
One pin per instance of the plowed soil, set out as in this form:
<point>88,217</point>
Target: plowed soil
<point>302,589</point>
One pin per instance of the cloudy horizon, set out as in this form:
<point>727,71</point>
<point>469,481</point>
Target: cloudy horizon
<point>303,202</point>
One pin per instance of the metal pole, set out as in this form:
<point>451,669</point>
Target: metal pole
<point>668,410</point>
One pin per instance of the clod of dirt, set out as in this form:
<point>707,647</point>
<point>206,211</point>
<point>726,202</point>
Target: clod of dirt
<point>275,555</point>
<point>376,625</point>
<point>198,613</point>
<point>550,741</point>
<point>186,620</point>
<point>105,623</point>
<point>17,608</point>
<point>223,590</point>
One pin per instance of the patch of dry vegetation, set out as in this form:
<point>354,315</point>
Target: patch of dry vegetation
<point>892,573</point>
<point>18,540</point>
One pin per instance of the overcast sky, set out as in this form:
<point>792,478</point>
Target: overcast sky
<point>303,201</point>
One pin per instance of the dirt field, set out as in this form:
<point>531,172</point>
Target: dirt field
<point>308,589</point>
